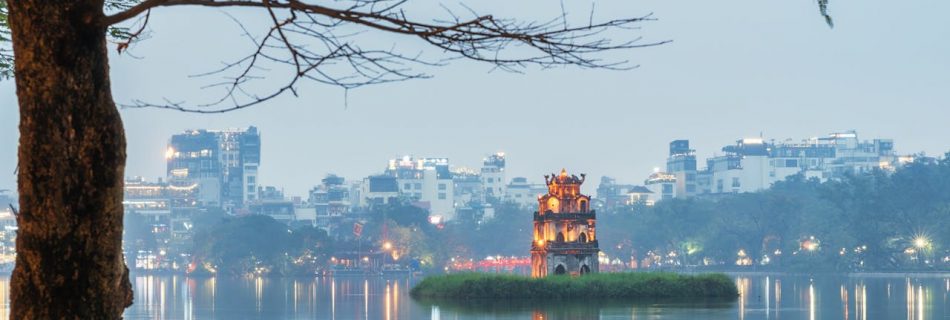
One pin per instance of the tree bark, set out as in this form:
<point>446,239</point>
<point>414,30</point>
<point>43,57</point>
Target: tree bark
<point>71,165</point>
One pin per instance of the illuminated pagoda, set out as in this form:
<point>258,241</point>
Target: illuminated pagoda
<point>564,238</point>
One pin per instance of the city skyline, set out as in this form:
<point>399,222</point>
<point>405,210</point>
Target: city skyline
<point>774,69</point>
<point>849,139</point>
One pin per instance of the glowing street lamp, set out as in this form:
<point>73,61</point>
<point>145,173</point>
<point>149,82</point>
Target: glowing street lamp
<point>387,246</point>
<point>921,242</point>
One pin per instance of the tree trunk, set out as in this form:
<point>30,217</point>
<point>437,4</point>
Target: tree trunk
<point>71,164</point>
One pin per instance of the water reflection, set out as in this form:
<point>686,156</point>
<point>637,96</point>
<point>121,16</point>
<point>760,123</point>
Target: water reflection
<point>763,297</point>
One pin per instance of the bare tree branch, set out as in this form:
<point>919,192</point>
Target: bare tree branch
<point>131,12</point>
<point>303,39</point>
<point>134,35</point>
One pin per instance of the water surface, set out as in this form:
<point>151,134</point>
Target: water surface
<point>775,296</point>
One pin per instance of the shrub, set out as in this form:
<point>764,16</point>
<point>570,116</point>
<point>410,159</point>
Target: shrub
<point>654,285</point>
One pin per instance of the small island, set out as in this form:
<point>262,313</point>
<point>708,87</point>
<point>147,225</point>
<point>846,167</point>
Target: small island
<point>564,262</point>
<point>645,285</point>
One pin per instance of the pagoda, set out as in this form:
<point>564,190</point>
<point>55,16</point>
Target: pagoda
<point>565,240</point>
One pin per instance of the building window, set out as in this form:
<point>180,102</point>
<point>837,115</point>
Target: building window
<point>417,195</point>
<point>407,186</point>
<point>441,186</point>
<point>251,180</point>
<point>441,196</point>
<point>418,186</point>
<point>735,182</point>
<point>250,188</point>
<point>490,180</point>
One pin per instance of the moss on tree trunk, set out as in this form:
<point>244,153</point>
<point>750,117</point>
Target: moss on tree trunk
<point>71,163</point>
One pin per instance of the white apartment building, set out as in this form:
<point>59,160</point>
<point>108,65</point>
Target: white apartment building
<point>426,180</point>
<point>493,175</point>
<point>753,164</point>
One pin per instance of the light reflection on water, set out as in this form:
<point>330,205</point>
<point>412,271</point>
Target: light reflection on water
<point>774,296</point>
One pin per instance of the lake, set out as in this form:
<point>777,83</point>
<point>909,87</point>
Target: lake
<point>764,296</point>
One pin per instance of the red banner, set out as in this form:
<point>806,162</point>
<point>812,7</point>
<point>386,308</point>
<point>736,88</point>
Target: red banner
<point>357,229</point>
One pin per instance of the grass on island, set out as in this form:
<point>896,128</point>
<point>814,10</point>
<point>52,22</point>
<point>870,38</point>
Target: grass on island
<point>652,285</point>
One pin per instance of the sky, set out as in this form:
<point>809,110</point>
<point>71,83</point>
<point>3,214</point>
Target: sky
<point>734,69</point>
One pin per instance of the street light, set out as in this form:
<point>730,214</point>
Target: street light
<point>387,246</point>
<point>921,242</point>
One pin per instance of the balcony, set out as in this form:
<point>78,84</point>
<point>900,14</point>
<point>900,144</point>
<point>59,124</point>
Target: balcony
<point>590,245</point>
<point>565,216</point>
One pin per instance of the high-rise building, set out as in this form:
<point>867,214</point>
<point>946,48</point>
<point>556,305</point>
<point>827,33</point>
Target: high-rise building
<point>523,193</point>
<point>493,176</point>
<point>378,190</point>
<point>331,200</point>
<point>744,168</point>
<point>682,164</point>
<point>427,181</point>
<point>193,156</point>
<point>468,187</point>
<point>224,164</point>
<point>565,240</point>
<point>168,209</point>
<point>661,186</point>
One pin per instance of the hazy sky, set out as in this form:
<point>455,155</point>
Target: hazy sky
<point>735,68</point>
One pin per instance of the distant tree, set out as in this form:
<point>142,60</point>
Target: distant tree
<point>508,233</point>
<point>239,245</point>
<point>403,214</point>
<point>72,142</point>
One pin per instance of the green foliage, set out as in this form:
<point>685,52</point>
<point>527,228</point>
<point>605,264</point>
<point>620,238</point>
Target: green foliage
<point>6,53</point>
<point>507,234</point>
<point>880,211</point>
<point>600,285</point>
<point>260,244</point>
